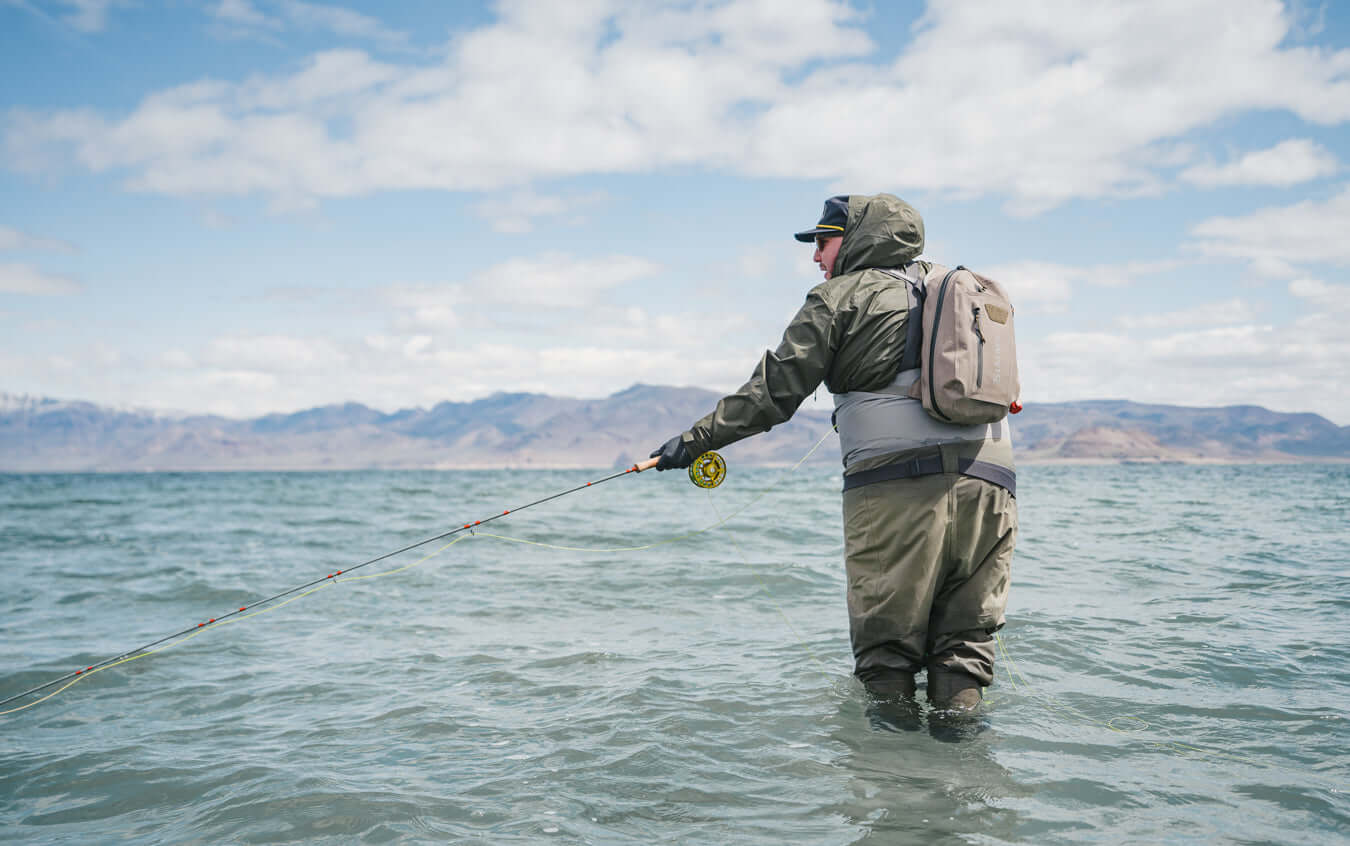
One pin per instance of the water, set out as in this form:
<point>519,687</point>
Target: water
<point>1177,671</point>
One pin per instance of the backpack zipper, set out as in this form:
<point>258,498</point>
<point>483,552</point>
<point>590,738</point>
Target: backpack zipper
<point>979,368</point>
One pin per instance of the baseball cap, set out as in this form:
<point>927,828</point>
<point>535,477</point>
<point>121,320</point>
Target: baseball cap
<point>831,220</point>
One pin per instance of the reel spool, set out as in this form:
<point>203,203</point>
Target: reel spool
<point>708,470</point>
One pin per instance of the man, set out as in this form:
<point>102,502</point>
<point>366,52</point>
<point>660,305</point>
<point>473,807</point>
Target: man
<point>929,514</point>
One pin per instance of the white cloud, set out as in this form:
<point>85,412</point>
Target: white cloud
<point>421,308</point>
<point>1044,283</point>
<point>1282,236</point>
<point>1058,101</point>
<point>416,358</point>
<point>1308,21</point>
<point>264,353</point>
<point>243,13</point>
<point>244,16</point>
<point>1223,313</point>
<point>1049,286</point>
<point>1186,360</point>
<point>13,239</point>
<point>1287,366</point>
<point>25,279</point>
<point>517,211</point>
<point>556,280</point>
<point>1288,163</point>
<point>328,84</point>
<point>534,289</point>
<point>89,15</point>
<point>1320,293</point>
<point>246,382</point>
<point>339,21</point>
<point>175,359</point>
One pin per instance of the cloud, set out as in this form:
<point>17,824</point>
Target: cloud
<point>518,210</point>
<point>1321,293</point>
<point>1048,286</point>
<point>535,289</point>
<point>339,21</point>
<point>242,13</point>
<point>1228,312</point>
<point>175,359</point>
<point>25,279</point>
<point>1280,237</point>
<point>244,16</point>
<point>556,280</point>
<point>13,239</point>
<point>1058,102</point>
<point>235,383</point>
<point>1187,359</point>
<point>1286,366</point>
<point>90,15</point>
<point>553,323</point>
<point>425,307</point>
<point>87,16</point>
<point>1288,163</point>
<point>264,353</point>
<point>246,374</point>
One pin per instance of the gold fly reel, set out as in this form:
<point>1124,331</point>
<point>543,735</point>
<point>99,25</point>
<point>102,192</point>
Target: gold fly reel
<point>708,470</point>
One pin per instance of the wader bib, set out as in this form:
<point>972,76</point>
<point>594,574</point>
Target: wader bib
<point>930,521</point>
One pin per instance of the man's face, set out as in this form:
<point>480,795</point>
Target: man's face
<point>827,250</point>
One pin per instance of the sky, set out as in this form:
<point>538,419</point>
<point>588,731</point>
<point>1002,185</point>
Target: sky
<point>252,206</point>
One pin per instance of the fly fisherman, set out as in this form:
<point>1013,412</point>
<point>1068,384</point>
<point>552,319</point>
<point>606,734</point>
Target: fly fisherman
<point>929,514</point>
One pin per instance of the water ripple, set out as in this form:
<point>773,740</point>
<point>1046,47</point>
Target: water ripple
<point>1176,668</point>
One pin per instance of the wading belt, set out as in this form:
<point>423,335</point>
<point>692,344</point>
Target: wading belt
<point>930,465</point>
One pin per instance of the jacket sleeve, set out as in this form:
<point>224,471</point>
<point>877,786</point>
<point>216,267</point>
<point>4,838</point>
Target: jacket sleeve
<point>783,379</point>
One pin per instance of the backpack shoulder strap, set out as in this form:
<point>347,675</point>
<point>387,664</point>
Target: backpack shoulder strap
<point>914,328</point>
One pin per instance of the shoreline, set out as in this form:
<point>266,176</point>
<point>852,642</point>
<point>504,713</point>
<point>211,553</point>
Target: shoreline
<point>1030,461</point>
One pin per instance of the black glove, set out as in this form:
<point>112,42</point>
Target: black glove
<point>673,454</point>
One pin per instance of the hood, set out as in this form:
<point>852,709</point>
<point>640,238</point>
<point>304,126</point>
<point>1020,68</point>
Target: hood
<point>882,231</point>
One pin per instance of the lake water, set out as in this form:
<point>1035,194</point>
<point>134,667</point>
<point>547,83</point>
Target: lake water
<point>1176,665</point>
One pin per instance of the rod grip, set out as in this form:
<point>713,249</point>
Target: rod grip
<point>646,465</point>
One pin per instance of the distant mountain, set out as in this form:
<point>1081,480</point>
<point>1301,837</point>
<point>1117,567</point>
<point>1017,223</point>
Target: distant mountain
<point>1122,430</point>
<point>519,430</point>
<point>504,430</point>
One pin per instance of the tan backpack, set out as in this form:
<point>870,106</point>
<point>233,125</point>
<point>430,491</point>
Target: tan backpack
<point>963,346</point>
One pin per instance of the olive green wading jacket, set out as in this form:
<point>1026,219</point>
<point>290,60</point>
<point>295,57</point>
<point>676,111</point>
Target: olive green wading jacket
<point>850,333</point>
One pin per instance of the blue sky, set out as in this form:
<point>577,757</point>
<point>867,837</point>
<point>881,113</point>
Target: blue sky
<point>247,206</point>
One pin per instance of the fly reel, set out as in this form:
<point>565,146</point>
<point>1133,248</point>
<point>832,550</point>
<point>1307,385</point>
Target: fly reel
<point>708,470</point>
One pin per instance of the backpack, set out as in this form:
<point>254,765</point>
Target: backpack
<point>963,346</point>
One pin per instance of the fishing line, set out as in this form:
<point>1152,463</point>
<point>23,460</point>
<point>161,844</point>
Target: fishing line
<point>77,675</point>
<point>134,655</point>
<point>707,471</point>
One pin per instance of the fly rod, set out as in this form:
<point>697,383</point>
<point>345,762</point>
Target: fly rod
<point>707,471</point>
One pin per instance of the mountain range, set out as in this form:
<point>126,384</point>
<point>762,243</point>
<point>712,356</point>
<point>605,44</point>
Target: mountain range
<point>524,430</point>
